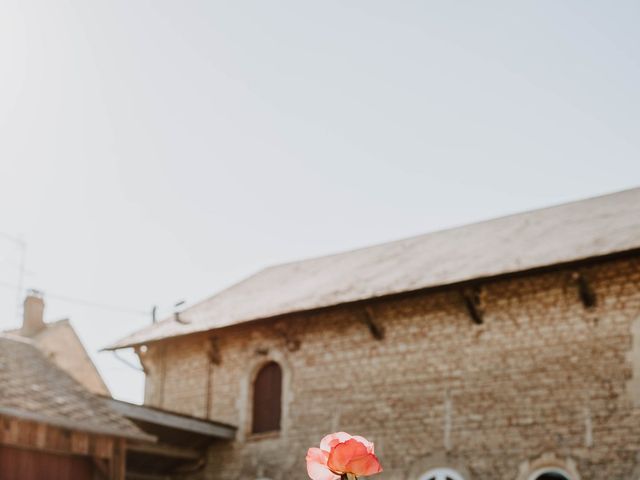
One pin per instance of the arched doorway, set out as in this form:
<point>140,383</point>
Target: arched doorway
<point>550,474</point>
<point>267,399</point>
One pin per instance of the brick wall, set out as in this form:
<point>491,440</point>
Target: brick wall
<point>543,380</point>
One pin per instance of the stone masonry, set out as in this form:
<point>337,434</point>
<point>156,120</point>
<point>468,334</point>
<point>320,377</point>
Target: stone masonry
<point>543,381</point>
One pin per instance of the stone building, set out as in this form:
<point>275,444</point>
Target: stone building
<point>503,350</point>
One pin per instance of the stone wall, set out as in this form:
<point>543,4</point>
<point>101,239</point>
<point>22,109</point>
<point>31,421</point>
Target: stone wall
<point>543,380</point>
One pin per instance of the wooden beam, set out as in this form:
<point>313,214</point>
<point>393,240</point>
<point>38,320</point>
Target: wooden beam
<point>146,476</point>
<point>585,292</point>
<point>102,467</point>
<point>376,330</point>
<point>213,351</point>
<point>164,450</point>
<point>121,449</point>
<point>118,461</point>
<point>472,301</point>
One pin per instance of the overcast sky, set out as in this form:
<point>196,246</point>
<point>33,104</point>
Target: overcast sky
<point>154,151</point>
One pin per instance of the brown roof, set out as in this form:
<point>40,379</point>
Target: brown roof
<point>557,235</point>
<point>33,388</point>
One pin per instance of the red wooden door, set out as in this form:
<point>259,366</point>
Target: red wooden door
<point>267,399</point>
<point>18,464</point>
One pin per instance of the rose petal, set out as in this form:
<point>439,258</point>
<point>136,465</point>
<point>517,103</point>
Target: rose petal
<point>343,453</point>
<point>317,465</point>
<point>331,440</point>
<point>364,466</point>
<point>365,442</point>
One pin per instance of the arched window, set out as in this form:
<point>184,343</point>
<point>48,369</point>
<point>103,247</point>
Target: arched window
<point>550,474</point>
<point>441,474</point>
<point>267,399</point>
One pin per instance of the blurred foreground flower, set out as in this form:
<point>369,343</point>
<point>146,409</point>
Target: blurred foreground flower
<point>342,456</point>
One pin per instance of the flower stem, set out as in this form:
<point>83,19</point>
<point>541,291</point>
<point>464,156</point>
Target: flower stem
<point>348,476</point>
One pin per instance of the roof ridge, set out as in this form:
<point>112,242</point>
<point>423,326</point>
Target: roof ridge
<point>447,229</point>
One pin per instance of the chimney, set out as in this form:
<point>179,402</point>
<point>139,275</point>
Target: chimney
<point>32,317</point>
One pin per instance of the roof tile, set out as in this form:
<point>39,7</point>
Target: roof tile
<point>34,388</point>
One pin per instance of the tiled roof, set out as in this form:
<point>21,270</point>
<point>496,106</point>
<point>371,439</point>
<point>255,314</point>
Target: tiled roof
<point>33,388</point>
<point>557,235</point>
<point>60,343</point>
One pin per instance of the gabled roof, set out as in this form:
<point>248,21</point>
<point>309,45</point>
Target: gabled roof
<point>33,388</point>
<point>562,234</point>
<point>60,343</point>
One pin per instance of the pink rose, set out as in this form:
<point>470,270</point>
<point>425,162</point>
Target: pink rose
<point>341,453</point>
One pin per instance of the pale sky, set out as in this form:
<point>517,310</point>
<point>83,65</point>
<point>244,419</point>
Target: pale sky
<point>154,151</point>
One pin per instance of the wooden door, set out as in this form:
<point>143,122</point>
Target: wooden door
<point>267,399</point>
<point>19,464</point>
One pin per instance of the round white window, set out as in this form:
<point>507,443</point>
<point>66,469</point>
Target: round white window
<point>550,474</point>
<point>441,474</point>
